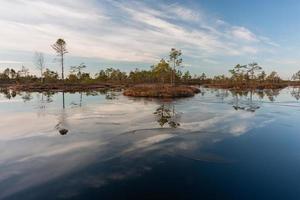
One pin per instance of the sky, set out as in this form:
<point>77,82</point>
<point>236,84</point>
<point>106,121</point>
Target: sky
<point>214,35</point>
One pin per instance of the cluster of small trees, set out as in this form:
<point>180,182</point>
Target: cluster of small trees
<point>296,76</point>
<point>13,76</point>
<point>251,73</point>
<point>166,71</point>
<point>160,73</point>
<point>163,72</point>
<point>10,75</point>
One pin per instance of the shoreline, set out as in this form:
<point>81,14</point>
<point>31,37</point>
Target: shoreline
<point>60,87</point>
<point>142,90</point>
<point>161,91</point>
<point>253,86</point>
<point>248,87</point>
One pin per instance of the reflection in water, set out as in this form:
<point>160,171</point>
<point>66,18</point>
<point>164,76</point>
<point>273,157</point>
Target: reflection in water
<point>27,97</point>
<point>63,131</point>
<point>166,114</point>
<point>13,94</point>
<point>62,123</point>
<point>272,94</point>
<point>296,93</point>
<point>62,119</point>
<point>44,99</point>
<point>9,94</point>
<point>110,95</point>
<point>63,99</point>
<point>244,100</point>
<point>221,94</point>
<point>240,104</point>
<point>80,101</point>
<point>116,148</point>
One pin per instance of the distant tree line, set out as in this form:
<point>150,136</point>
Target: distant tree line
<point>164,72</point>
<point>160,73</point>
<point>247,75</point>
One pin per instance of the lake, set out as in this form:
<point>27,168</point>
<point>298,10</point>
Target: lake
<point>103,145</point>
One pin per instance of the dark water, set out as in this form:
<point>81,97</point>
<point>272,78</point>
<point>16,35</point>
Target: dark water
<point>216,145</point>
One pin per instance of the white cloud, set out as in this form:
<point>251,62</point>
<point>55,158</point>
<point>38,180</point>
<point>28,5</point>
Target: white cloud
<point>244,34</point>
<point>268,41</point>
<point>9,62</point>
<point>249,49</point>
<point>121,31</point>
<point>183,13</point>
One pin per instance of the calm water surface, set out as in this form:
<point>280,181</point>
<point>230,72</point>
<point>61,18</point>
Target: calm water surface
<point>216,145</point>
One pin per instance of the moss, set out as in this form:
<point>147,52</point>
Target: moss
<point>161,91</point>
<point>66,87</point>
<point>248,86</point>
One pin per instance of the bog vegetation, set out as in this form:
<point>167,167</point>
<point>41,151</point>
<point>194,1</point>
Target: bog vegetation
<point>165,72</point>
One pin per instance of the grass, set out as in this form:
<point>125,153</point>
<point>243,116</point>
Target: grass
<point>161,91</point>
<point>66,87</point>
<point>245,86</point>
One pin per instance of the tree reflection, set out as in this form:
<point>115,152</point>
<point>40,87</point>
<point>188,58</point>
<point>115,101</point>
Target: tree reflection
<point>221,94</point>
<point>62,123</point>
<point>271,94</point>
<point>236,103</point>
<point>110,95</point>
<point>49,96</point>
<point>80,99</point>
<point>166,115</point>
<point>251,105</point>
<point>63,97</point>
<point>296,93</point>
<point>260,94</point>
<point>247,105</point>
<point>43,99</point>
<point>27,96</point>
<point>91,93</point>
<point>9,94</point>
<point>60,126</point>
<point>79,104</point>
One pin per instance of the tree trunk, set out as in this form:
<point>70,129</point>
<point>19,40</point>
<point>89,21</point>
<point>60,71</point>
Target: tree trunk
<point>41,75</point>
<point>174,74</point>
<point>62,66</point>
<point>171,77</point>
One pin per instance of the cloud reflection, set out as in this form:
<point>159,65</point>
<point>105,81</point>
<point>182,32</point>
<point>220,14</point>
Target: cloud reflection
<point>118,139</point>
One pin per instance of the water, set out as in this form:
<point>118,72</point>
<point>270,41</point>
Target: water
<point>216,145</point>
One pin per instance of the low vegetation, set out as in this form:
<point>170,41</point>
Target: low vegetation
<point>249,76</point>
<point>161,91</point>
<point>163,79</point>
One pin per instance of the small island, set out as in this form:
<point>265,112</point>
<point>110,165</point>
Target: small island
<point>161,91</point>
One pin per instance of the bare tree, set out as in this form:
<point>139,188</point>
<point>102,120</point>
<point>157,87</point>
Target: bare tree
<point>78,69</point>
<point>296,76</point>
<point>252,68</point>
<point>176,61</point>
<point>23,72</point>
<point>40,63</point>
<point>61,50</point>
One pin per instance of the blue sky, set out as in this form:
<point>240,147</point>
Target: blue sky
<point>214,35</point>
